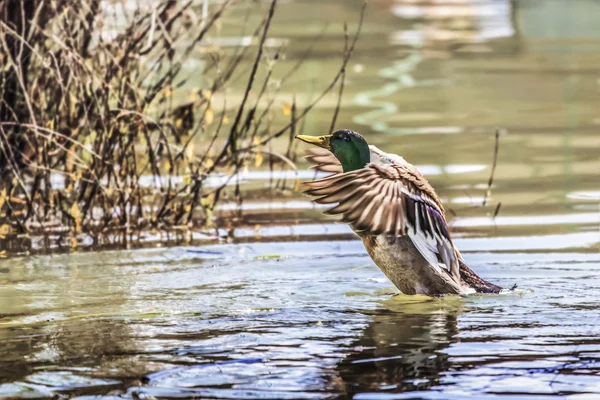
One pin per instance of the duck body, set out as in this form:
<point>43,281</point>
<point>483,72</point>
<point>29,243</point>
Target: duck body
<point>408,270</point>
<point>397,215</point>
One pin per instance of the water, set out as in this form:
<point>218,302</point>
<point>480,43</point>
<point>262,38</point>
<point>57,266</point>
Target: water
<point>293,307</point>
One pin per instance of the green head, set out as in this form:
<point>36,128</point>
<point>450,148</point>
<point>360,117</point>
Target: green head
<point>350,148</point>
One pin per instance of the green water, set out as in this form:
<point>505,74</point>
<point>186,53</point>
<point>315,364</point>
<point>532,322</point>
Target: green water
<point>294,308</point>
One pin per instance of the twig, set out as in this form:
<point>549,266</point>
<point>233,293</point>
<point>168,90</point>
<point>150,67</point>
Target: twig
<point>497,210</point>
<point>488,192</point>
<point>336,78</point>
<point>342,79</point>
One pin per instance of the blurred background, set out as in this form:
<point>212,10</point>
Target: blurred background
<point>433,80</point>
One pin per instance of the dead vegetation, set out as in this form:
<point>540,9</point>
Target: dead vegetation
<point>99,129</point>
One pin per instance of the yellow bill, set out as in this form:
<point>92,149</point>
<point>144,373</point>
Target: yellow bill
<point>321,141</point>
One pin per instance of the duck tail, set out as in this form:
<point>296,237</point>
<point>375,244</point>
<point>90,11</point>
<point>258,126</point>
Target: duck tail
<point>473,280</point>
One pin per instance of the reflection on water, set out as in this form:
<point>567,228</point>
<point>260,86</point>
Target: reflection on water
<point>403,347</point>
<point>292,308</point>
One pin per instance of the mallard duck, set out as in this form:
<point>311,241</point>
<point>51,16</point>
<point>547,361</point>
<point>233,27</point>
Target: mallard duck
<point>396,213</point>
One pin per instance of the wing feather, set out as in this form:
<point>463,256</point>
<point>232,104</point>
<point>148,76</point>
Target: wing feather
<point>391,199</point>
<point>324,160</point>
<point>372,198</point>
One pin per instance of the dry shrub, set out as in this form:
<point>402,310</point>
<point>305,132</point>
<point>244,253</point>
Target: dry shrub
<point>95,139</point>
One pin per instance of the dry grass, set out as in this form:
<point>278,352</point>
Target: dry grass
<point>88,114</point>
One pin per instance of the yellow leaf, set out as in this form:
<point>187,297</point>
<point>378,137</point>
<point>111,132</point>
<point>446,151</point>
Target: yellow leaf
<point>3,254</point>
<point>207,94</point>
<point>225,119</point>
<point>209,162</point>
<point>73,242</point>
<point>256,140</point>
<point>207,201</point>
<point>257,231</point>
<point>75,211</point>
<point>193,95</point>
<point>2,197</point>
<point>76,214</point>
<point>5,229</point>
<point>230,170</point>
<point>70,159</point>
<point>297,185</point>
<point>209,116</point>
<point>259,159</point>
<point>187,208</point>
<point>178,123</point>
<point>287,109</point>
<point>50,124</point>
<point>189,151</point>
<point>168,91</point>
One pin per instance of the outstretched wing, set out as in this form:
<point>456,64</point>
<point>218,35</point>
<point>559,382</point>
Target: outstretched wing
<point>391,199</point>
<point>324,160</point>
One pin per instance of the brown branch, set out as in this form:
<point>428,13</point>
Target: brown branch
<point>488,191</point>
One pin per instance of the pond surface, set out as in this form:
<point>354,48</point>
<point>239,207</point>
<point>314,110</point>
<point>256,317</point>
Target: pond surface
<point>294,308</point>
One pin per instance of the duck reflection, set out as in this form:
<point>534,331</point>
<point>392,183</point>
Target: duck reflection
<point>402,348</point>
